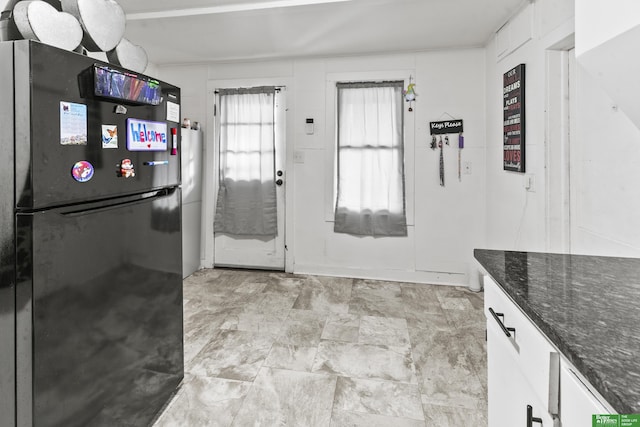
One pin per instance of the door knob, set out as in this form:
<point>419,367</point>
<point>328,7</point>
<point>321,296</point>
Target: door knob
<point>279,182</point>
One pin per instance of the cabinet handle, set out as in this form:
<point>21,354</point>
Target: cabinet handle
<point>507,331</point>
<point>530,418</point>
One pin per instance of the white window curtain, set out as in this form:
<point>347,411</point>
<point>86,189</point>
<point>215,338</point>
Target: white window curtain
<point>246,203</point>
<point>370,160</point>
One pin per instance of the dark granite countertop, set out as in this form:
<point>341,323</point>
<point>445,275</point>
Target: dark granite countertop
<point>588,306</point>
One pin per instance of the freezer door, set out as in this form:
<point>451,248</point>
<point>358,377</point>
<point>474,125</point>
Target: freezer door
<point>71,145</point>
<point>104,298</point>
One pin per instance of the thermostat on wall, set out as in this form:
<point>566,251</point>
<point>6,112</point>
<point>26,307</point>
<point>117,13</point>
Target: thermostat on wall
<point>308,127</point>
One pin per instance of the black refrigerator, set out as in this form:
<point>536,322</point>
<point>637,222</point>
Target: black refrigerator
<point>90,241</point>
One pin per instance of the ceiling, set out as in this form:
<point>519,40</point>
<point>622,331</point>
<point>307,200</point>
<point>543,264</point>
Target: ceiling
<point>192,31</point>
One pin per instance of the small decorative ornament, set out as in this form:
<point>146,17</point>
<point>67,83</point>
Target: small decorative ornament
<point>410,93</point>
<point>126,169</point>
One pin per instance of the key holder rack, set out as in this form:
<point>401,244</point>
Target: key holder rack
<point>440,131</point>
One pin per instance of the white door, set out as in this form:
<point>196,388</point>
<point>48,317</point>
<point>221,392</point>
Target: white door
<point>253,251</point>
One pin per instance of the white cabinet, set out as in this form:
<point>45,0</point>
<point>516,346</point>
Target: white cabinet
<point>511,398</point>
<point>530,382</point>
<point>522,366</point>
<point>578,402</point>
<point>191,162</point>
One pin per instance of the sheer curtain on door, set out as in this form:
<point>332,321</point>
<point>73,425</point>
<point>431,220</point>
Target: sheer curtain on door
<point>370,160</point>
<point>246,203</point>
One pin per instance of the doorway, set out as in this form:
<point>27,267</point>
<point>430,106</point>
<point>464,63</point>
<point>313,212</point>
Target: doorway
<point>250,180</point>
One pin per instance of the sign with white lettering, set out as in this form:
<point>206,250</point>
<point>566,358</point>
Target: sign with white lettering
<point>144,135</point>
<point>442,128</point>
<point>514,119</point>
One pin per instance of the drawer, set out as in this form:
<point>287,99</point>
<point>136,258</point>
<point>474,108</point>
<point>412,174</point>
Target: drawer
<point>535,356</point>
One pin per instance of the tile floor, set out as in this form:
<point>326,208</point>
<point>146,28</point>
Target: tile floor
<point>274,349</point>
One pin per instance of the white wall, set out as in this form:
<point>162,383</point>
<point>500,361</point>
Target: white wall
<point>516,218</point>
<point>490,208</point>
<point>605,166</point>
<point>604,148</point>
<point>598,21</point>
<point>448,222</point>
<point>606,152</point>
<point>614,69</point>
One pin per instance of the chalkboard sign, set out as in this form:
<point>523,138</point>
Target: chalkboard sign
<point>446,127</point>
<point>514,119</point>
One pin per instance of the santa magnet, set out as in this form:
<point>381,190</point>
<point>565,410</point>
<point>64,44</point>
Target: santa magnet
<point>126,169</point>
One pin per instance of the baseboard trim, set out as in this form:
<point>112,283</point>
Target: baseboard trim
<point>428,277</point>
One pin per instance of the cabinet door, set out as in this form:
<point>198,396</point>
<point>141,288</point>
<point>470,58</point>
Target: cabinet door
<point>577,403</point>
<point>537,359</point>
<point>503,376</point>
<point>509,391</point>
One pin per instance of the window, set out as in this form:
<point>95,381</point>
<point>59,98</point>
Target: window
<point>247,200</point>
<point>370,196</point>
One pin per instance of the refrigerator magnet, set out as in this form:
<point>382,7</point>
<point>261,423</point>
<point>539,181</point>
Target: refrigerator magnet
<point>73,123</point>
<point>126,169</point>
<point>145,135</point>
<point>174,141</point>
<point>109,136</point>
<point>173,112</point>
<point>82,171</point>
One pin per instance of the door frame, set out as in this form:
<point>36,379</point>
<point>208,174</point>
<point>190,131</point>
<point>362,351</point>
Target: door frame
<point>211,164</point>
<point>558,134</point>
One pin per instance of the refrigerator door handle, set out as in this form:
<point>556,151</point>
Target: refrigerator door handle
<point>96,207</point>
